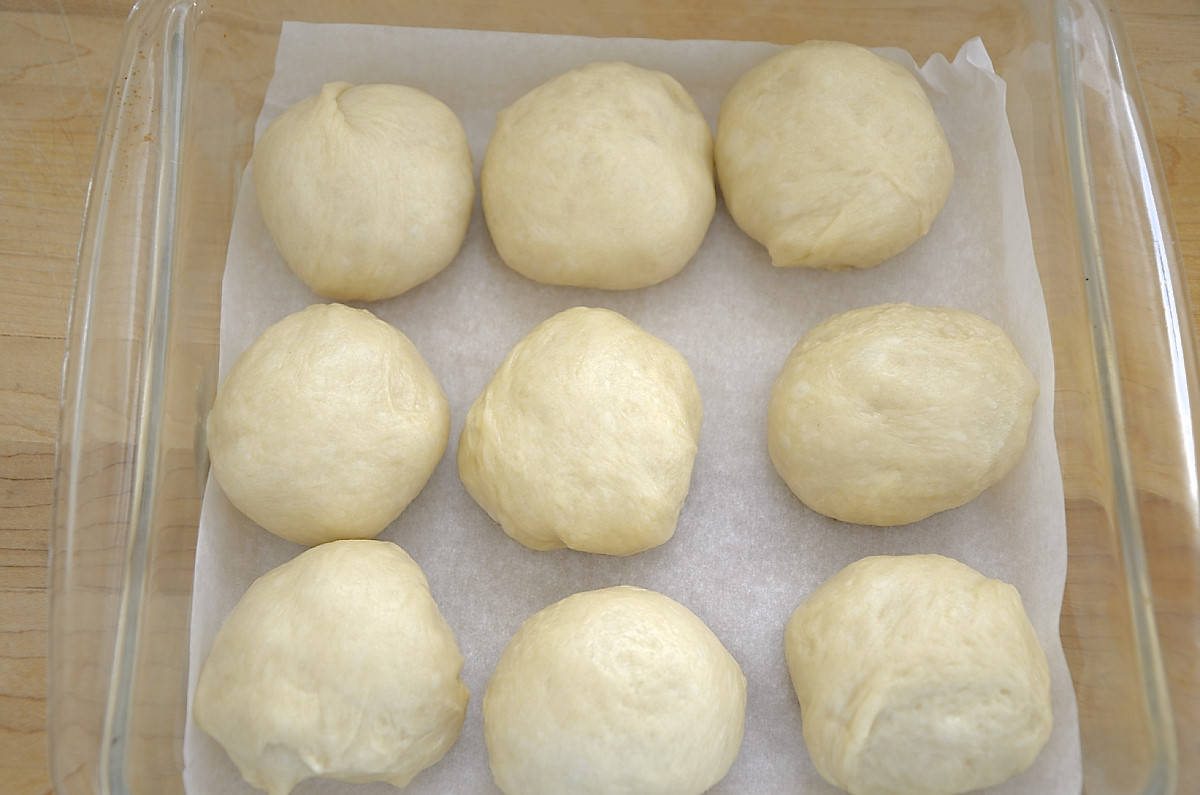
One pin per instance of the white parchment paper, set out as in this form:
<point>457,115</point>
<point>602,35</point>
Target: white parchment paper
<point>746,551</point>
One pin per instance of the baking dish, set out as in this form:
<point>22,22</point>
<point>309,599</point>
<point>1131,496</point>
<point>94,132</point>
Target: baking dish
<point>142,353</point>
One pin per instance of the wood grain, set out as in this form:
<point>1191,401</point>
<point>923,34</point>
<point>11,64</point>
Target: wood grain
<point>1165,38</point>
<point>55,66</point>
<point>54,76</point>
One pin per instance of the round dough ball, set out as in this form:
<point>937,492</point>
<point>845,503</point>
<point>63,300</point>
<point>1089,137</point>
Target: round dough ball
<point>327,426</point>
<point>336,664</point>
<point>366,190</point>
<point>891,413</point>
<point>616,690</point>
<point>917,675</point>
<point>585,436</point>
<point>831,157</point>
<point>602,177</point>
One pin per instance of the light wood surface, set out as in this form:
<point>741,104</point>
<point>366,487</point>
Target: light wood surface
<point>55,66</point>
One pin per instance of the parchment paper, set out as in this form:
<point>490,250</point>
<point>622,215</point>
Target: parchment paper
<point>746,551</point>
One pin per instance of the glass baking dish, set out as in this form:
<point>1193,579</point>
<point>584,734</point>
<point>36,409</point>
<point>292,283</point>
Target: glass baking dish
<point>141,364</point>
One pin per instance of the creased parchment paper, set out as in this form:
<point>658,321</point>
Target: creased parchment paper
<point>746,551</point>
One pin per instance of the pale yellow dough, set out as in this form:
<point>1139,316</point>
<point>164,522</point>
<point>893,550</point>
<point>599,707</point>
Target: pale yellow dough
<point>327,426</point>
<point>888,414</point>
<point>617,690</point>
<point>917,675</point>
<point>585,436</point>
<point>601,177</point>
<point>337,665</point>
<point>366,190</point>
<point>831,157</point>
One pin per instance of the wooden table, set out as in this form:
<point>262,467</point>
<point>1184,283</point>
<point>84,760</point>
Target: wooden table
<point>54,74</point>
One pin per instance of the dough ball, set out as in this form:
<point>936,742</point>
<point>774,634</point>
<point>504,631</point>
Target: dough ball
<point>602,177</point>
<point>366,190</point>
<point>327,426</point>
<point>891,413</point>
<point>917,675</point>
<point>585,436</point>
<point>336,664</point>
<point>616,690</point>
<point>831,157</point>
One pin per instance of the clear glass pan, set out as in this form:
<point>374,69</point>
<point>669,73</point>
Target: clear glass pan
<point>142,353</point>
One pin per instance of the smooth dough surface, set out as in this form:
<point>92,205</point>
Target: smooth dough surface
<point>585,436</point>
<point>366,190</point>
<point>888,414</point>
<point>831,156</point>
<point>917,675</point>
<point>336,664</point>
<point>327,426</point>
<point>601,177</point>
<point>616,690</point>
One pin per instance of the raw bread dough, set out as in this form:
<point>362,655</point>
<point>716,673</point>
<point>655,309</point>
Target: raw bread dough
<point>336,664</point>
<point>887,414</point>
<point>585,436</point>
<point>917,675</point>
<point>615,690</point>
<point>366,190</point>
<point>602,177</point>
<point>831,156</point>
<point>327,426</point>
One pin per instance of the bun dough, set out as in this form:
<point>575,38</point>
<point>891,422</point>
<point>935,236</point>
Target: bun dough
<point>585,436</point>
<point>602,177</point>
<point>366,190</point>
<point>887,414</point>
<point>831,157</point>
<point>336,664</point>
<point>327,426</point>
<point>616,690</point>
<point>917,675</point>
